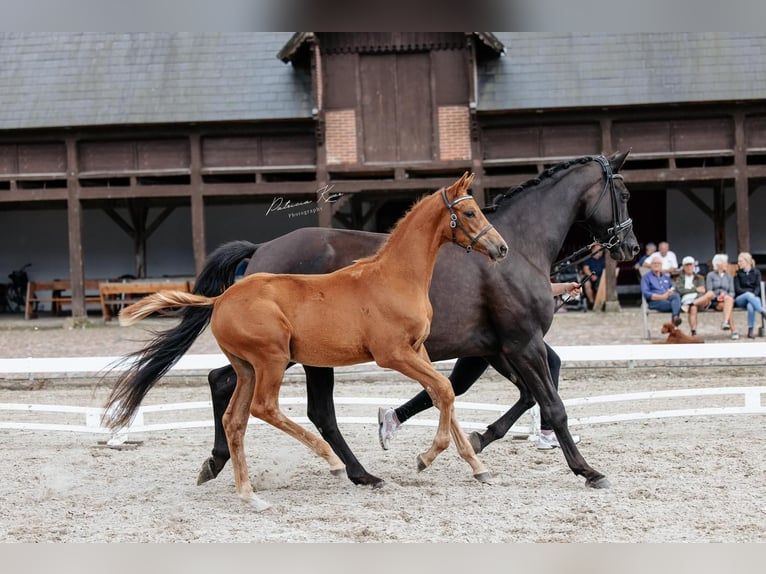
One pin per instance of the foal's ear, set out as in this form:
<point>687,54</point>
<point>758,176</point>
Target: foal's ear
<point>468,181</point>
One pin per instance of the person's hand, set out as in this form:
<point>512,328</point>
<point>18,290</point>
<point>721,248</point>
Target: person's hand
<point>572,288</point>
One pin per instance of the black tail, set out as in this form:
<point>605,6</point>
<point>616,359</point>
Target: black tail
<point>154,360</point>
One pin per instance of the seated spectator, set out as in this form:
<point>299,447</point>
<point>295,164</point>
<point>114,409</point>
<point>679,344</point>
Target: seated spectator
<point>593,268</point>
<point>747,290</point>
<point>722,285</point>
<point>643,264</point>
<point>669,261</point>
<point>658,291</point>
<point>694,296</point>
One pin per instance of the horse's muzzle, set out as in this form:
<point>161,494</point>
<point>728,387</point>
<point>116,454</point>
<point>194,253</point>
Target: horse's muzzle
<point>498,251</point>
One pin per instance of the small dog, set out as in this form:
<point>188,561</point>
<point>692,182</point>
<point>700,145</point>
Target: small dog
<point>677,336</point>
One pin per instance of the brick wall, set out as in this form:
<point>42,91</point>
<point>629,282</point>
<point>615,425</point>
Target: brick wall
<point>340,136</point>
<point>454,133</point>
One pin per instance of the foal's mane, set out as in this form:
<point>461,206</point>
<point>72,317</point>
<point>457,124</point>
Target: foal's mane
<point>535,181</point>
<point>381,249</point>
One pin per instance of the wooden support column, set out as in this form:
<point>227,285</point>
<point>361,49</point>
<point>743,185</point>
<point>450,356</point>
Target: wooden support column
<point>612,302</point>
<point>741,184</point>
<point>74,226</point>
<point>197,203</point>
<point>477,163</point>
<point>719,218</point>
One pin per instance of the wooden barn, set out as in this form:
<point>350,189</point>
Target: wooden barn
<point>136,154</point>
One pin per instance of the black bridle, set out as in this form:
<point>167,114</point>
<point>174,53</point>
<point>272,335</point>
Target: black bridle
<point>454,223</point>
<point>615,234</point>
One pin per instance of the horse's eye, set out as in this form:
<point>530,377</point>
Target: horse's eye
<point>470,214</point>
<point>625,196</point>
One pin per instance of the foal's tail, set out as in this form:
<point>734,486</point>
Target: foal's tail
<point>164,351</point>
<point>159,302</point>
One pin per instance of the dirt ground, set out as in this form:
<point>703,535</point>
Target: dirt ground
<point>690,479</point>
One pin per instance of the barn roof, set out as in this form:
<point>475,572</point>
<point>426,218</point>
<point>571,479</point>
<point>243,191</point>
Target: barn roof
<point>566,70</point>
<point>57,80</point>
<point>49,80</point>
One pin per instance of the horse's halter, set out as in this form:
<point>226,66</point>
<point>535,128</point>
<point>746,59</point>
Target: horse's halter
<point>617,231</point>
<point>454,223</point>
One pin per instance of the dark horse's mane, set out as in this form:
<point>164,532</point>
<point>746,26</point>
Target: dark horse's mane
<point>535,181</point>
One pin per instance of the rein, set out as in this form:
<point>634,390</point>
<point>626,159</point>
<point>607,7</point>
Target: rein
<point>455,223</point>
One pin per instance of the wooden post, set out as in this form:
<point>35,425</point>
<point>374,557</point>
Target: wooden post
<point>612,302</point>
<point>719,219</point>
<point>197,203</point>
<point>741,184</point>
<point>74,226</point>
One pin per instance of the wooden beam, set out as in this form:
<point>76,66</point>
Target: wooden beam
<point>74,227</point>
<point>121,223</point>
<point>719,219</point>
<point>701,205</point>
<point>197,203</point>
<point>154,225</point>
<point>742,197</point>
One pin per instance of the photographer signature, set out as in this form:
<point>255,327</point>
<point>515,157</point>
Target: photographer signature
<point>324,195</point>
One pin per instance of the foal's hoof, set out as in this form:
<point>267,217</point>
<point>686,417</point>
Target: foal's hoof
<point>600,482</point>
<point>340,472</point>
<point>207,472</point>
<point>258,504</point>
<point>421,464</point>
<point>475,439</point>
<point>483,477</point>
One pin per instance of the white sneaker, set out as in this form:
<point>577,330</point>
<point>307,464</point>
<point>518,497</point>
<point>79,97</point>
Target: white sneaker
<point>549,441</point>
<point>388,424</point>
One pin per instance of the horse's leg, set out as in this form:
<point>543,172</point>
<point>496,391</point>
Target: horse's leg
<point>321,412</point>
<point>417,366</point>
<point>531,365</point>
<point>222,384</point>
<point>235,424</point>
<point>499,428</point>
<point>265,406</point>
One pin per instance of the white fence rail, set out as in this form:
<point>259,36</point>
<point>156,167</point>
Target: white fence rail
<point>751,404</point>
<point>754,352</point>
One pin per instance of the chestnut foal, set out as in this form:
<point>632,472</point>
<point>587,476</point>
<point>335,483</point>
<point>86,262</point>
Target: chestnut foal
<point>375,309</point>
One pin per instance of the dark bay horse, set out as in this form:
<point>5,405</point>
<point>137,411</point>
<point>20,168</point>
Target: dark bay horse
<point>502,315</point>
<point>375,309</point>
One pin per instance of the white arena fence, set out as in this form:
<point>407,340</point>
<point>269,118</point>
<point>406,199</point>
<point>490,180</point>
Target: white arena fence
<point>750,402</point>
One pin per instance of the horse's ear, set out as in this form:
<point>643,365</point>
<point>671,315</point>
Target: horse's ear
<point>617,159</point>
<point>468,181</point>
<point>454,189</point>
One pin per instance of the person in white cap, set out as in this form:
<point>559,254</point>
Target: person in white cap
<point>694,295</point>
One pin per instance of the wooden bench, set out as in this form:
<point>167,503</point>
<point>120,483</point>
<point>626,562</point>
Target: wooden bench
<point>116,295</point>
<point>645,311</point>
<point>60,294</point>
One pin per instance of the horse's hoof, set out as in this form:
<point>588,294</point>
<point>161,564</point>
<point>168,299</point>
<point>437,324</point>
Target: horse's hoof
<point>600,482</point>
<point>258,504</point>
<point>207,472</point>
<point>341,472</point>
<point>367,480</point>
<point>421,464</point>
<point>483,477</point>
<point>379,484</point>
<point>475,439</point>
